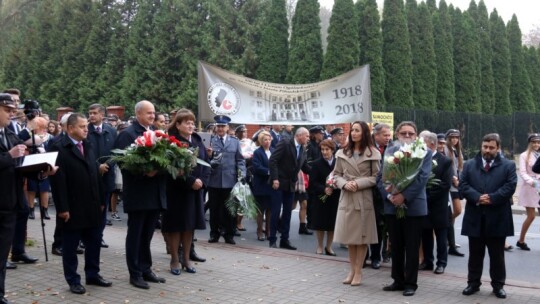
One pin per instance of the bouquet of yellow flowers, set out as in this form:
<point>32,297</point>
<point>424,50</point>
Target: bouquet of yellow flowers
<point>155,151</point>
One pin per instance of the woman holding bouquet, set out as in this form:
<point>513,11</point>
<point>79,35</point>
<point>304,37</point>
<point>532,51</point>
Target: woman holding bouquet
<point>357,165</point>
<point>324,197</point>
<point>185,201</point>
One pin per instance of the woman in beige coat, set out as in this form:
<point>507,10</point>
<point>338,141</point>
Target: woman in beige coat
<point>356,167</point>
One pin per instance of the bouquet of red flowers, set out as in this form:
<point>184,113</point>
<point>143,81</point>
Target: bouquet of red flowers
<point>155,151</point>
<point>330,183</point>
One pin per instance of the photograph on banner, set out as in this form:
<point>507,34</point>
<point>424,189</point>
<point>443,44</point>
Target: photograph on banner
<point>343,99</point>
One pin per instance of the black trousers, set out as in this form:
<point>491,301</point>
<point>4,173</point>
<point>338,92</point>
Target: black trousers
<point>19,237</point>
<point>428,243</point>
<point>220,218</point>
<point>405,235</point>
<point>497,267</point>
<point>7,227</point>
<point>91,237</point>
<point>141,226</point>
<point>58,232</point>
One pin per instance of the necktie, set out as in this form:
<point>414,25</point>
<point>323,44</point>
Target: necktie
<point>3,139</point>
<point>297,151</point>
<point>80,146</point>
<point>98,129</point>
<point>222,142</point>
<point>381,149</point>
<point>487,166</point>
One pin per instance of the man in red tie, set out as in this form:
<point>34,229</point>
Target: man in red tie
<point>487,183</point>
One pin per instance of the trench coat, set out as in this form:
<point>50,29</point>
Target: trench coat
<point>528,197</point>
<point>355,221</point>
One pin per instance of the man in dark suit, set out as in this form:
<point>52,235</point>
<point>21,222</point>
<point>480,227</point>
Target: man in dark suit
<point>406,233</point>
<point>487,183</point>
<point>11,184</point>
<point>285,163</point>
<point>437,201</point>
<point>102,136</point>
<point>78,203</point>
<point>144,197</point>
<point>226,160</point>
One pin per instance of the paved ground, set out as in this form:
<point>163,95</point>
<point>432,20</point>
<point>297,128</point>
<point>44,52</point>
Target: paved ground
<point>239,274</point>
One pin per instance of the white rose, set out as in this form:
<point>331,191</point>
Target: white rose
<point>390,159</point>
<point>398,154</point>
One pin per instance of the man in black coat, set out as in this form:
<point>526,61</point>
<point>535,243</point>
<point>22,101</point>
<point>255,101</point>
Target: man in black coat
<point>437,202</point>
<point>11,184</point>
<point>78,203</point>
<point>285,163</point>
<point>144,197</point>
<point>102,136</point>
<point>488,183</point>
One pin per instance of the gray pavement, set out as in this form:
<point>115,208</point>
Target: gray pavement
<point>243,273</point>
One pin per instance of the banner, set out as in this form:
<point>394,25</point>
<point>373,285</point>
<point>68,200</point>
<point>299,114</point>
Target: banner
<point>383,117</point>
<point>342,99</point>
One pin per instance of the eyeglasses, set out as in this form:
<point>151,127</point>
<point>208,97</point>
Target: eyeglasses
<point>408,134</point>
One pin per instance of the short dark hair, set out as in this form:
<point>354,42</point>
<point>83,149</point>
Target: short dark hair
<point>379,127</point>
<point>406,123</point>
<point>492,137</point>
<point>97,106</point>
<point>74,118</point>
<point>330,144</point>
<point>13,91</point>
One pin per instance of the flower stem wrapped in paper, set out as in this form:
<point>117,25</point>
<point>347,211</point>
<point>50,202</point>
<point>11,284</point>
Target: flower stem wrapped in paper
<point>330,183</point>
<point>402,164</point>
<point>241,200</point>
<point>156,151</point>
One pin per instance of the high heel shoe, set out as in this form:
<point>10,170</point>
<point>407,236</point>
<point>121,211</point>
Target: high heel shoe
<point>176,271</point>
<point>328,252</point>
<point>349,278</point>
<point>188,269</point>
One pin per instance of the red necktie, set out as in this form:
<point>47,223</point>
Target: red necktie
<point>80,146</point>
<point>487,166</point>
<point>381,148</point>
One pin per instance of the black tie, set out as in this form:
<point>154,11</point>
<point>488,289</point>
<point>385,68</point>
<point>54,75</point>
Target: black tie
<point>222,142</point>
<point>3,139</point>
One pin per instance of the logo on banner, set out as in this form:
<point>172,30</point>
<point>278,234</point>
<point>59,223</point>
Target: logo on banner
<point>223,99</point>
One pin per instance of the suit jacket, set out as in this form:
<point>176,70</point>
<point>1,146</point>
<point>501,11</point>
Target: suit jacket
<point>102,144</point>
<point>140,192</point>
<point>500,183</point>
<point>438,195</point>
<point>261,172</point>
<point>11,182</point>
<point>415,193</point>
<point>284,165</point>
<point>76,185</point>
<point>225,171</point>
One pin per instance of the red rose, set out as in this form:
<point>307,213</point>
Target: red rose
<point>396,160</point>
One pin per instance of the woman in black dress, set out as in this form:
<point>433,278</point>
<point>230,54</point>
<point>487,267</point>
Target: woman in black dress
<point>185,201</point>
<point>323,213</point>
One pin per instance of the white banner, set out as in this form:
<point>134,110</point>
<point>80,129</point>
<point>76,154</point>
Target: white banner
<point>342,99</point>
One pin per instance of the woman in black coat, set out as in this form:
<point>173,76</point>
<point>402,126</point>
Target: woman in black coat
<point>185,198</point>
<point>323,218</point>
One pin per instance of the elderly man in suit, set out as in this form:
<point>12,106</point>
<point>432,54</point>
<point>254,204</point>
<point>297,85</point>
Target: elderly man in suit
<point>405,233</point>
<point>78,202</point>
<point>144,197</point>
<point>227,162</point>
<point>285,163</point>
<point>437,200</point>
<point>488,182</point>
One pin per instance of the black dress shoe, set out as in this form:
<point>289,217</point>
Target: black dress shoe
<point>394,287</point>
<point>25,258</point>
<point>77,288</point>
<point>103,244</point>
<point>10,265</point>
<point>98,281</point>
<point>195,258</point>
<point>455,252</point>
<point>230,240</point>
<point>57,251</point>
<point>408,292</point>
<point>470,289</point>
<point>500,293</point>
<point>328,252</point>
<point>139,283</point>
<point>152,277</point>
<point>375,264</point>
<point>439,270</point>
<point>425,267</point>
<point>523,246</point>
<point>285,244</point>
<point>273,245</point>
<point>213,239</point>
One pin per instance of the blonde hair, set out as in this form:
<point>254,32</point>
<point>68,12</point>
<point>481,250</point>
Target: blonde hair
<point>261,136</point>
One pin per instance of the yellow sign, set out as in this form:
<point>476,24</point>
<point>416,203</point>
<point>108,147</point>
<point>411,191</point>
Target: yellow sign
<point>383,117</point>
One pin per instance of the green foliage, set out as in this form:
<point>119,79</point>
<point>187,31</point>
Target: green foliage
<point>500,64</point>
<point>520,88</point>
<point>370,38</point>
<point>532,63</point>
<point>443,45</point>
<point>397,60</point>
<point>305,53</point>
<point>343,51</point>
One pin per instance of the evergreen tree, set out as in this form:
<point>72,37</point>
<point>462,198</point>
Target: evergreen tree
<point>305,53</point>
<point>423,56</point>
<point>343,51</point>
<point>397,60</point>
<point>465,63</point>
<point>432,5</point>
<point>370,38</point>
<point>520,87</point>
<point>487,83</point>
<point>532,62</point>
<point>500,64</point>
<point>273,50</point>
<point>443,44</point>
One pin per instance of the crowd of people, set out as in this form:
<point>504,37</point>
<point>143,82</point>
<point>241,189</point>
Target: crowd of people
<point>334,177</point>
